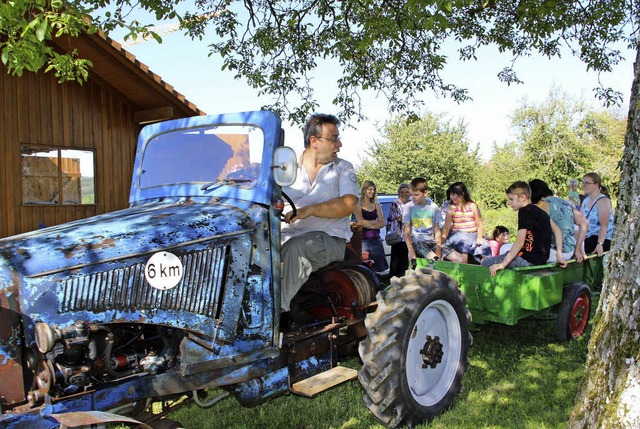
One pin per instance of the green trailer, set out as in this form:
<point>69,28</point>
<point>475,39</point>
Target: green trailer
<point>514,294</point>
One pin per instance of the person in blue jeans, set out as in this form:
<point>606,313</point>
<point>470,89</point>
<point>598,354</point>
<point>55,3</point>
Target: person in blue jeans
<point>369,216</point>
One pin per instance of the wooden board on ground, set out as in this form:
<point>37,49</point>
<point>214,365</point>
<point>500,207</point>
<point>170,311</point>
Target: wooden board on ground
<point>323,381</point>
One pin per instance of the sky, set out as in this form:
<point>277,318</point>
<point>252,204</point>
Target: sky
<point>184,64</point>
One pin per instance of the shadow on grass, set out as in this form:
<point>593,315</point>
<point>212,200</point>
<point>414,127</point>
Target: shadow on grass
<point>519,377</point>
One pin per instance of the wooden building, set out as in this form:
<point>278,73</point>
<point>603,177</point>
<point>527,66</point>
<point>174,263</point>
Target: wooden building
<point>67,150</point>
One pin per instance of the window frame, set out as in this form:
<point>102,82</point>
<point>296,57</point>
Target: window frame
<point>60,175</point>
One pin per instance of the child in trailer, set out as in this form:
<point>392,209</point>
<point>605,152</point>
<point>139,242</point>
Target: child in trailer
<point>501,237</point>
<point>421,223</point>
<point>574,195</point>
<point>464,221</point>
<point>533,239</point>
<point>499,243</point>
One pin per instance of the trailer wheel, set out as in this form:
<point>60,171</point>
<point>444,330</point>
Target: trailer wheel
<point>417,349</point>
<point>573,316</point>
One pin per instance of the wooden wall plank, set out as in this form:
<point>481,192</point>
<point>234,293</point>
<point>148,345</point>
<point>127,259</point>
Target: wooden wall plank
<point>32,113</point>
<point>96,141</point>
<point>36,109</point>
<point>11,135</point>
<point>57,128</point>
<point>46,119</point>
<point>65,115</point>
<point>78,94</point>
<point>107,153</point>
<point>6,106</point>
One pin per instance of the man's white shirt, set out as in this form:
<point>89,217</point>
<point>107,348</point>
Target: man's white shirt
<point>334,179</point>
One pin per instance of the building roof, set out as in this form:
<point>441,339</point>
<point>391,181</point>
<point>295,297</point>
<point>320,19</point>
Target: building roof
<point>153,98</point>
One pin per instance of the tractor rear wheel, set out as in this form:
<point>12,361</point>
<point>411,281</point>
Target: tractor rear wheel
<point>417,349</point>
<point>573,316</point>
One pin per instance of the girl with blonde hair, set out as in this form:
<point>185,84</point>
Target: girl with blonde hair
<point>369,216</point>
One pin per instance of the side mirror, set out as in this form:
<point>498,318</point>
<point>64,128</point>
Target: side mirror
<point>285,166</point>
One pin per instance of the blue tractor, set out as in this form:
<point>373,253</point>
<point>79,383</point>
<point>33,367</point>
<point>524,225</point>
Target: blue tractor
<point>179,293</point>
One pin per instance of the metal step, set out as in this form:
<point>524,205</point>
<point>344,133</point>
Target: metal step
<point>311,386</point>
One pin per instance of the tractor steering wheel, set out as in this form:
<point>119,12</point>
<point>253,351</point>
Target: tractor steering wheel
<point>293,206</point>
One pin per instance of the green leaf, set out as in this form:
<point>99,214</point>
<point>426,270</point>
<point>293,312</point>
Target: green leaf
<point>41,32</point>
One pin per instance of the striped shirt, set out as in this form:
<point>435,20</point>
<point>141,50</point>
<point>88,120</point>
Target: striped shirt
<point>464,219</point>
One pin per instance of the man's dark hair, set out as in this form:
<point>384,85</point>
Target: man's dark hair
<point>314,124</point>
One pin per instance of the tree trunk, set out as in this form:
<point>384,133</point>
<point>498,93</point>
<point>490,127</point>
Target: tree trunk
<point>609,395</point>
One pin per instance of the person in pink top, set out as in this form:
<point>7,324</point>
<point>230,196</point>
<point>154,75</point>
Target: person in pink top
<point>464,220</point>
<point>495,246</point>
<point>501,236</point>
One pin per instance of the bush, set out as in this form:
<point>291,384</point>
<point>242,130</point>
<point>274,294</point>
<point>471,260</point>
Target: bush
<point>504,216</point>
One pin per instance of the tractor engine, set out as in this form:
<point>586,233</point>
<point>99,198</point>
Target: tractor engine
<point>73,359</point>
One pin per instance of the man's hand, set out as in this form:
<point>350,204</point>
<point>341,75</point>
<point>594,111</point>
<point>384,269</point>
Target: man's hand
<point>335,208</point>
<point>560,260</point>
<point>303,213</point>
<point>288,217</point>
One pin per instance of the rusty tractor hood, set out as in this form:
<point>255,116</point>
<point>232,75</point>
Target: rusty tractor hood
<point>120,234</point>
<point>95,269</point>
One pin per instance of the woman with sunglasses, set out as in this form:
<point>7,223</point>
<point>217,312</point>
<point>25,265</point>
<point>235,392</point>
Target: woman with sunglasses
<point>597,208</point>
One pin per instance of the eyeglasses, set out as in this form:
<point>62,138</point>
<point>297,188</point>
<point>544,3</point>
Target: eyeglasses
<point>333,140</point>
<point>588,183</point>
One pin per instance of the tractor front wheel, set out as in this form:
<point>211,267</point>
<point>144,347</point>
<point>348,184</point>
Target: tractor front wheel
<point>417,349</point>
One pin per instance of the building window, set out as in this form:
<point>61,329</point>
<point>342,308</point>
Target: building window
<point>55,176</point>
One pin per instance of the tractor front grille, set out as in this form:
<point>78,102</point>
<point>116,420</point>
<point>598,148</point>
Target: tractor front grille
<point>126,288</point>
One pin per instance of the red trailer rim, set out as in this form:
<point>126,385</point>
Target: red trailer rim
<point>580,314</point>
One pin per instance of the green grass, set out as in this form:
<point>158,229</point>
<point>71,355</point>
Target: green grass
<point>518,377</point>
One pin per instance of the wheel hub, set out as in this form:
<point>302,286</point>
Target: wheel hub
<point>431,352</point>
